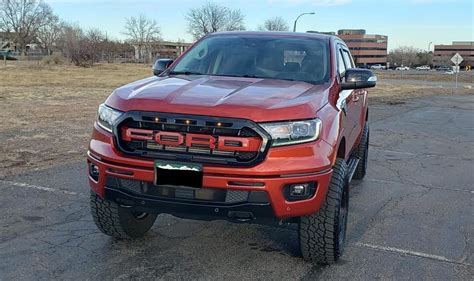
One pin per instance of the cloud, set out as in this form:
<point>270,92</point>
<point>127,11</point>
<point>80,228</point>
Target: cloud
<point>314,2</point>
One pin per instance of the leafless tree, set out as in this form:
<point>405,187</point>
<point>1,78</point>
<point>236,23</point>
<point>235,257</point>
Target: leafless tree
<point>95,36</point>
<point>75,45</point>
<point>275,24</point>
<point>404,55</point>
<point>84,48</point>
<point>49,34</point>
<point>71,35</point>
<point>95,39</point>
<point>142,32</point>
<point>212,17</point>
<point>425,58</point>
<point>24,18</point>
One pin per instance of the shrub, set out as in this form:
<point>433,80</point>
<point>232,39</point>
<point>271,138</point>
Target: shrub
<point>55,59</point>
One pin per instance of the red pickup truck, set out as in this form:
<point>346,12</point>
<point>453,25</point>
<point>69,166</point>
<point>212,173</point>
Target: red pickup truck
<point>262,127</point>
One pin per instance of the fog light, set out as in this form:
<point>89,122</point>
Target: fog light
<point>94,171</point>
<point>299,191</point>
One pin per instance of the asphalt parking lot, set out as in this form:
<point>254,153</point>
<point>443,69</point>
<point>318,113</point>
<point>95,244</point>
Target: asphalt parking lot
<point>411,218</point>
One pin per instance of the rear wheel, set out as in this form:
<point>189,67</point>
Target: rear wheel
<point>362,154</point>
<point>322,234</point>
<point>117,221</point>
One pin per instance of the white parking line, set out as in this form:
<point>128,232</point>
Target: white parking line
<point>419,155</point>
<point>421,185</point>
<point>394,152</point>
<point>43,188</point>
<point>410,253</point>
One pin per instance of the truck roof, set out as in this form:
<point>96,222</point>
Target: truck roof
<point>276,34</point>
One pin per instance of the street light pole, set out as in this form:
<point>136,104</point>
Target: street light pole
<point>429,48</point>
<point>296,21</point>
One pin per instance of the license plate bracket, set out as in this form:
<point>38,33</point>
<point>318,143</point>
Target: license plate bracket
<point>182,174</point>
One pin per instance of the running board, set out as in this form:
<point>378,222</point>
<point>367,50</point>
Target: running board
<point>352,166</point>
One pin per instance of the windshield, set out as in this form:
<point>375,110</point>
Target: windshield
<point>298,59</point>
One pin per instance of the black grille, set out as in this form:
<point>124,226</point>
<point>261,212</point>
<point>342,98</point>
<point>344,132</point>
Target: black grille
<point>184,124</point>
<point>211,195</point>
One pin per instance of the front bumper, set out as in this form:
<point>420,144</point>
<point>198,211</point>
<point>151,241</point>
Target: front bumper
<point>283,166</point>
<point>248,212</point>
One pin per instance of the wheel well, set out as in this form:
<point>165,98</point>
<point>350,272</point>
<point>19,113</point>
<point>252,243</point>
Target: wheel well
<point>341,151</point>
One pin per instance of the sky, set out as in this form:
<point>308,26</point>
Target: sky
<point>406,22</point>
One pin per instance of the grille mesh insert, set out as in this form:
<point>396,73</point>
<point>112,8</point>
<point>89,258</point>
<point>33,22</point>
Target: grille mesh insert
<point>235,196</point>
<point>207,126</point>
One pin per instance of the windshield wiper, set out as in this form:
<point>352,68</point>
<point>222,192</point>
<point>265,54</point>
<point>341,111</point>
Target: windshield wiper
<point>236,75</point>
<point>186,73</point>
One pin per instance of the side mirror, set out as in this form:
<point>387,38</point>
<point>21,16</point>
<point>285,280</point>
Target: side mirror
<point>358,78</point>
<point>161,65</point>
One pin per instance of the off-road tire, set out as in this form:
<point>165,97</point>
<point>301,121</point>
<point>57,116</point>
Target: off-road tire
<point>322,235</point>
<point>117,221</point>
<point>362,154</point>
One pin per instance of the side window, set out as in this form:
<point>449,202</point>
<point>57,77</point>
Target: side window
<point>348,59</point>
<point>341,68</point>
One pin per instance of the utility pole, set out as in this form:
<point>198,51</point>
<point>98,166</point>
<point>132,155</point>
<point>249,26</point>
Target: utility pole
<point>428,54</point>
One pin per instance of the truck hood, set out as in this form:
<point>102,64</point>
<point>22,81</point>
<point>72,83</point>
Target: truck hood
<point>256,99</point>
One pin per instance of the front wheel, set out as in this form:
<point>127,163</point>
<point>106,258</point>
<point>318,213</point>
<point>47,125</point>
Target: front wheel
<point>117,221</point>
<point>322,234</point>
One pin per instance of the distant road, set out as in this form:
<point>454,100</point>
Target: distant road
<point>440,83</point>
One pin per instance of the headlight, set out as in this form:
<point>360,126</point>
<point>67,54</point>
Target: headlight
<point>107,116</point>
<point>284,133</point>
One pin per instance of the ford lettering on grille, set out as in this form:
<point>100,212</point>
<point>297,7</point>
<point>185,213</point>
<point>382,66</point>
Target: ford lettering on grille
<point>221,143</point>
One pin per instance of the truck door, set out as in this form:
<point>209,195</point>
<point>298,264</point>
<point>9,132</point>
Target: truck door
<point>358,98</point>
<point>346,102</point>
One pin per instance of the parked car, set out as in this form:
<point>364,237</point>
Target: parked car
<point>212,138</point>
<point>444,68</point>
<point>378,67</point>
<point>402,68</point>
<point>7,55</point>
<point>423,67</point>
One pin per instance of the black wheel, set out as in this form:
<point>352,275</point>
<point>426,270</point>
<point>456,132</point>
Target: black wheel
<point>362,154</point>
<point>322,234</point>
<point>117,221</point>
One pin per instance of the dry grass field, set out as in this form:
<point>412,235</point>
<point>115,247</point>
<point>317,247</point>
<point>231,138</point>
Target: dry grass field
<point>47,111</point>
<point>466,77</point>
